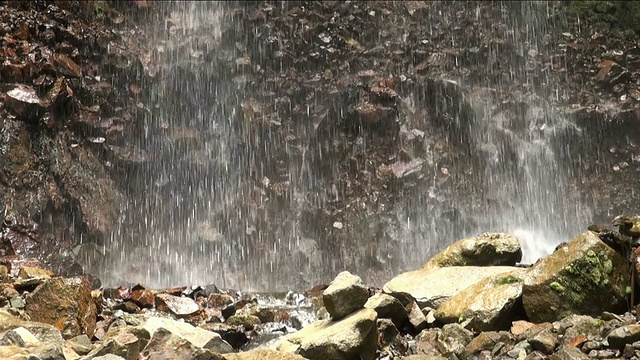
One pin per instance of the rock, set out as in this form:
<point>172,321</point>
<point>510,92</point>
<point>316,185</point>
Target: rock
<point>388,307</point>
<point>522,329</point>
<point>544,341</point>
<point>234,335</point>
<point>216,300</point>
<point>28,272</point>
<point>80,344</point>
<point>66,66</point>
<point>64,303</point>
<point>109,357</point>
<point>491,304</point>
<point>432,287</point>
<point>625,334</point>
<point>263,354</point>
<point>487,341</point>
<point>489,249</point>
<point>584,277</point>
<point>176,305</point>
<point>387,332</point>
<point>124,344</point>
<point>353,337</point>
<point>579,327</point>
<point>417,319</point>
<point>167,346</point>
<point>19,337</point>
<point>127,306</point>
<point>142,297</point>
<point>48,351</point>
<point>198,337</point>
<point>24,101</point>
<point>247,321</point>
<point>568,353</point>
<point>449,341</point>
<point>13,353</point>
<point>346,294</point>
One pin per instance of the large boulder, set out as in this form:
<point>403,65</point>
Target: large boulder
<point>198,337</point>
<point>432,287</point>
<point>352,338</point>
<point>346,294</point>
<point>583,277</point>
<point>490,304</point>
<point>489,249</point>
<point>65,303</point>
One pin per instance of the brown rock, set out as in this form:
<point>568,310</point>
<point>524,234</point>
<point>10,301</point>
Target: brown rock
<point>142,297</point>
<point>166,346</point>
<point>219,300</point>
<point>28,272</point>
<point>64,303</point>
<point>66,66</point>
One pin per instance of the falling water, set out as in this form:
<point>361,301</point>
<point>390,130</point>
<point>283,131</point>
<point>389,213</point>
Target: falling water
<point>198,221</point>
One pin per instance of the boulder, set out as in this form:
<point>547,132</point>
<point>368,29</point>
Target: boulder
<point>198,337</point>
<point>623,335</point>
<point>544,341</point>
<point>490,304</point>
<point>388,307</point>
<point>13,352</point>
<point>489,249</point>
<point>264,354</point>
<point>346,294</point>
<point>351,338</point>
<point>249,322</point>
<point>80,344</point>
<point>167,346</point>
<point>432,287</point>
<point>387,332</point>
<point>66,304</point>
<point>125,341</point>
<point>583,277</point>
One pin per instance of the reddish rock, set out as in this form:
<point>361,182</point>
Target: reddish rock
<point>66,66</point>
<point>64,303</point>
<point>142,297</point>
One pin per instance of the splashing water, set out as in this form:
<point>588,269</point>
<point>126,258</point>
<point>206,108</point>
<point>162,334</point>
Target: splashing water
<point>200,221</point>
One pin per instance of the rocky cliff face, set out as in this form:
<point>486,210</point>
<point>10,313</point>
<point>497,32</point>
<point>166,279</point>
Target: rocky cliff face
<point>338,124</point>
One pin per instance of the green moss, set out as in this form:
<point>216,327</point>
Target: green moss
<point>557,287</point>
<point>627,290</point>
<point>587,275</point>
<point>509,279</point>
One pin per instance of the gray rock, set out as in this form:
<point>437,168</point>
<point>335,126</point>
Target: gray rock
<point>48,352</point>
<point>263,354</point>
<point>81,344</point>
<point>176,305</point>
<point>449,341</point>
<point>490,304</point>
<point>108,357</point>
<point>432,287</point>
<point>198,337</point>
<point>346,294</point>
<point>489,249</point>
<point>19,337</point>
<point>387,332</point>
<point>164,345</point>
<point>417,319</point>
<point>566,352</point>
<point>544,341</point>
<point>487,341</point>
<point>623,335</point>
<point>351,338</point>
<point>388,307</point>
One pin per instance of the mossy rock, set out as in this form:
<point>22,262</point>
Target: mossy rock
<point>489,249</point>
<point>585,277</point>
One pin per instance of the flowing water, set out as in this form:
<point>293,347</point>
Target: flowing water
<point>201,223</point>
